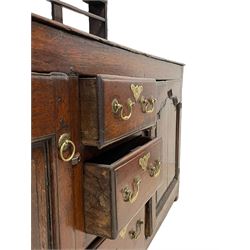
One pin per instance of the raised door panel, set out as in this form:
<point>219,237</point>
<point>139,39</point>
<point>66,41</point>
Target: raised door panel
<point>56,185</point>
<point>168,127</point>
<point>42,191</point>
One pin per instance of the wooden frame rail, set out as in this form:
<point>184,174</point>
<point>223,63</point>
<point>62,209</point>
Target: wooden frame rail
<point>97,15</point>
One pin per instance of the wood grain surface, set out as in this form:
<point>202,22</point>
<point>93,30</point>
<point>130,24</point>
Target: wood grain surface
<point>56,47</point>
<point>100,126</point>
<point>105,210</point>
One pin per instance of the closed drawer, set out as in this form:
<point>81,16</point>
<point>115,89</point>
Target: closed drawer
<point>118,183</point>
<point>132,235</point>
<point>113,107</point>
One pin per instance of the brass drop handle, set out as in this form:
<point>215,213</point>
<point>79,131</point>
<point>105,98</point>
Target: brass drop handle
<point>131,195</point>
<point>154,169</point>
<point>134,234</point>
<point>63,144</point>
<point>118,108</point>
<point>147,104</point>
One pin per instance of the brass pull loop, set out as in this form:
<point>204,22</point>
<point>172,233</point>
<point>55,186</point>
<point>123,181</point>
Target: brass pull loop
<point>129,195</point>
<point>154,169</point>
<point>147,104</point>
<point>63,144</point>
<point>134,234</point>
<point>117,107</point>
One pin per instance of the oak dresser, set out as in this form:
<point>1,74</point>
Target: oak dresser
<point>105,136</point>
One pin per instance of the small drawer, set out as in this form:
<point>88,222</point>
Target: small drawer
<point>113,107</point>
<point>132,235</point>
<point>118,183</point>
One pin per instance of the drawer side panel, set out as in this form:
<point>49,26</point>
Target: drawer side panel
<point>98,201</point>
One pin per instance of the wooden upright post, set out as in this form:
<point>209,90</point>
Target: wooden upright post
<point>99,8</point>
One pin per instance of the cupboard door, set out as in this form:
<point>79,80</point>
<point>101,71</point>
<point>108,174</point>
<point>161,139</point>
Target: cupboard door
<point>57,209</point>
<point>168,127</point>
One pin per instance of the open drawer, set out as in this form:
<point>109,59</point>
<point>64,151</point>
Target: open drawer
<point>118,183</point>
<point>113,107</point>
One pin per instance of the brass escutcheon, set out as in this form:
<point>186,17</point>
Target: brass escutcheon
<point>136,89</point>
<point>143,161</point>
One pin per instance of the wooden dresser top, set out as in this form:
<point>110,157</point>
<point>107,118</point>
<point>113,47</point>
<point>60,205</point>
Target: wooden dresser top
<point>58,47</point>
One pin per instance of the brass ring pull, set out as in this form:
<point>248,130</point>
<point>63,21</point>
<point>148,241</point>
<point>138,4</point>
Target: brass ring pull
<point>63,144</point>
<point>118,108</point>
<point>134,234</point>
<point>147,104</point>
<point>154,169</point>
<point>129,195</point>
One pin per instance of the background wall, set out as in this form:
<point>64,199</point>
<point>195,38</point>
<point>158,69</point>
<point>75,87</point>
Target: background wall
<point>212,39</point>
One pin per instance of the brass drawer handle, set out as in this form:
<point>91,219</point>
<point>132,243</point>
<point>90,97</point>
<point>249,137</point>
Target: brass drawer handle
<point>154,169</point>
<point>63,144</point>
<point>147,104</point>
<point>131,195</point>
<point>117,107</point>
<point>134,234</point>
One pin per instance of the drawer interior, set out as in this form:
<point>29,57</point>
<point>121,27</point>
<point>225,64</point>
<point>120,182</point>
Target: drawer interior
<point>110,156</point>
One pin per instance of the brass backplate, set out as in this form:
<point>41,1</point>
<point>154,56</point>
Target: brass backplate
<point>62,139</point>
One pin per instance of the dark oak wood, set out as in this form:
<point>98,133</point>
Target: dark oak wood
<point>55,110</point>
<point>149,221</point>
<point>75,9</point>
<point>128,243</point>
<point>170,94</point>
<point>41,186</point>
<point>69,199</point>
<point>123,240</point>
<point>105,210</point>
<point>97,96</point>
<point>57,14</point>
<point>96,27</point>
<point>90,55</point>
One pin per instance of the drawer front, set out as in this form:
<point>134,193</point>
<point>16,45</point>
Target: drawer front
<point>137,180</point>
<point>113,107</point>
<point>129,105</point>
<point>132,235</point>
<point>114,193</point>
